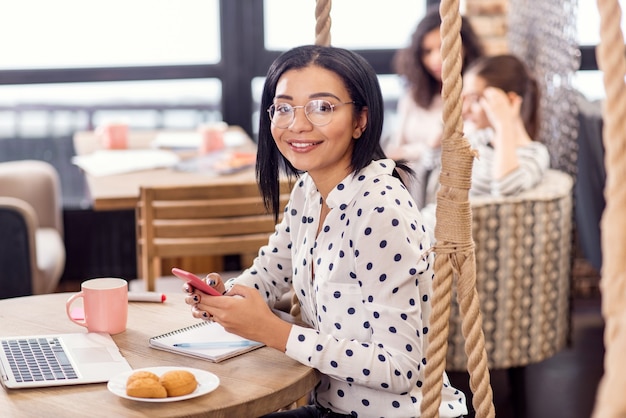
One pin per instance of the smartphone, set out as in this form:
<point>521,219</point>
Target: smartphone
<point>195,282</point>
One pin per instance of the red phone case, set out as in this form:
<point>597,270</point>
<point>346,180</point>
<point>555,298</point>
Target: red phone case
<point>195,281</point>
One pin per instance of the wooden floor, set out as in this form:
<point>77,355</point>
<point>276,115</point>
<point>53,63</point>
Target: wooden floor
<point>563,386</point>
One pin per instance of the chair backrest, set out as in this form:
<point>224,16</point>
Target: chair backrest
<point>32,189</point>
<point>523,247</point>
<point>37,183</point>
<point>17,248</point>
<point>200,220</point>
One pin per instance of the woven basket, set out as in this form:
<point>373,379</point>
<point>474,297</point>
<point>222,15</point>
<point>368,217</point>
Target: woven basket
<point>523,261</point>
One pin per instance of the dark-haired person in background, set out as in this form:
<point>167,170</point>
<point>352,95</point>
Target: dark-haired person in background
<point>416,137</point>
<point>501,121</point>
<point>351,243</point>
<point>501,115</point>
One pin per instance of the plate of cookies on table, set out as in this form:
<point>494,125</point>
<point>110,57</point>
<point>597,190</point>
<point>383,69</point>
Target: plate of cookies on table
<point>163,384</point>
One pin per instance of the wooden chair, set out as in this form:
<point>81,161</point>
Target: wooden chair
<point>200,221</point>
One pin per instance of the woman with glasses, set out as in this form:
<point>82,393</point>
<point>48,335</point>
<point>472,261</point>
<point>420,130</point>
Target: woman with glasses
<point>501,118</point>
<point>351,243</point>
<point>501,114</point>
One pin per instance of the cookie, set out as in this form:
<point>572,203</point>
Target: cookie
<point>142,374</point>
<point>145,387</point>
<point>178,382</point>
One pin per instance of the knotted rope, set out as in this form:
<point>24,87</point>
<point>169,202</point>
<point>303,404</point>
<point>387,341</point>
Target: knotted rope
<point>610,401</point>
<point>455,247</point>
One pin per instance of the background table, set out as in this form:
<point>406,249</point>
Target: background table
<point>251,384</point>
<point>121,191</point>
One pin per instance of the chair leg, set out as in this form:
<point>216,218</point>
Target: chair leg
<point>150,272</point>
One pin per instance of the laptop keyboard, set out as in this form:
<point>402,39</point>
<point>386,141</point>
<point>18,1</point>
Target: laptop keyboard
<point>38,359</point>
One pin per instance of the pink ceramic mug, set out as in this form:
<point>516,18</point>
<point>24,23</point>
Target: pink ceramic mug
<point>105,303</point>
<point>212,137</point>
<point>113,135</point>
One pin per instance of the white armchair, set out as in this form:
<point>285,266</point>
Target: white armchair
<point>32,249</point>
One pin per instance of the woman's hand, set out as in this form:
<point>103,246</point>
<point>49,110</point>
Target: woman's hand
<point>212,279</point>
<point>501,109</point>
<point>244,312</point>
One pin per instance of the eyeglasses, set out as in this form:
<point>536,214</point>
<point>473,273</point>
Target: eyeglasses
<point>318,112</point>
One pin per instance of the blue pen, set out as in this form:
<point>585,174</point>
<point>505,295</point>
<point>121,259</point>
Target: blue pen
<point>217,344</point>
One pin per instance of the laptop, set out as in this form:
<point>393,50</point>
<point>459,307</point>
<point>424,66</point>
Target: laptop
<point>59,360</point>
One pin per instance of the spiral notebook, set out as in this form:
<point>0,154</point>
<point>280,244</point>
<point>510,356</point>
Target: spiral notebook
<point>205,340</point>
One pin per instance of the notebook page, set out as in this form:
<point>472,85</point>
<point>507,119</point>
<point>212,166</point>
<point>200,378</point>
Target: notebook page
<point>206,340</point>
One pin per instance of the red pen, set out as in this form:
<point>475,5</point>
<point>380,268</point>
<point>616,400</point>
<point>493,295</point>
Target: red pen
<point>146,297</point>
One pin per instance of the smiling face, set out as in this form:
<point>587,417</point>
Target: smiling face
<point>324,152</point>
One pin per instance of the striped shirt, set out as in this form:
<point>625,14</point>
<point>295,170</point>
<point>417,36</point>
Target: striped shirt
<point>534,160</point>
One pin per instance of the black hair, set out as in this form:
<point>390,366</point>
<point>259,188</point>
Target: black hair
<point>362,85</point>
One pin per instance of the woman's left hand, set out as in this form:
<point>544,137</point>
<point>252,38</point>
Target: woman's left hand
<point>244,312</point>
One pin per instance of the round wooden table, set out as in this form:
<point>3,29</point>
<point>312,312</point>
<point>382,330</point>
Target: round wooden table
<point>251,384</point>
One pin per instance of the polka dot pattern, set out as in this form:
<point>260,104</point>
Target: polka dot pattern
<point>363,284</point>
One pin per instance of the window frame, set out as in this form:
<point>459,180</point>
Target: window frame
<point>242,35</point>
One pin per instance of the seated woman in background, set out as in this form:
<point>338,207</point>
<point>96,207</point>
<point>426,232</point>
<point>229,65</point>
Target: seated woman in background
<point>501,115</point>
<point>501,119</point>
<point>417,135</point>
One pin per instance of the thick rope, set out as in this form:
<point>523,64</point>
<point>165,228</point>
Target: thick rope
<point>610,401</point>
<point>322,22</point>
<point>453,232</point>
<point>322,37</point>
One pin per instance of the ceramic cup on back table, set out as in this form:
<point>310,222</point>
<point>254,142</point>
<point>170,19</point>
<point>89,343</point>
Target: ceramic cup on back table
<point>113,135</point>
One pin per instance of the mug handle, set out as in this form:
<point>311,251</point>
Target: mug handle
<point>68,306</point>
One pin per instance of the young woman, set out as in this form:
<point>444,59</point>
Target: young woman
<point>351,243</point>
<point>501,119</point>
<point>501,114</point>
<point>417,133</point>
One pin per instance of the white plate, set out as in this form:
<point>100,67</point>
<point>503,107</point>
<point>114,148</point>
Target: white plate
<point>207,382</point>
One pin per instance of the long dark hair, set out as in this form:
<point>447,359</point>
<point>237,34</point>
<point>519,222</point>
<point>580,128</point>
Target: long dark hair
<point>408,62</point>
<point>362,84</point>
<point>509,73</point>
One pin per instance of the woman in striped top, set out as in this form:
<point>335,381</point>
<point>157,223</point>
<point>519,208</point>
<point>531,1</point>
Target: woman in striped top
<point>501,114</point>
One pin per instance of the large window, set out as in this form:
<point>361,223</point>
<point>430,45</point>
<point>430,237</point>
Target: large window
<point>164,64</point>
<point>170,64</point>
<point>589,82</point>
<point>114,33</point>
<point>355,24</point>
<point>289,23</point>
<point>76,63</point>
